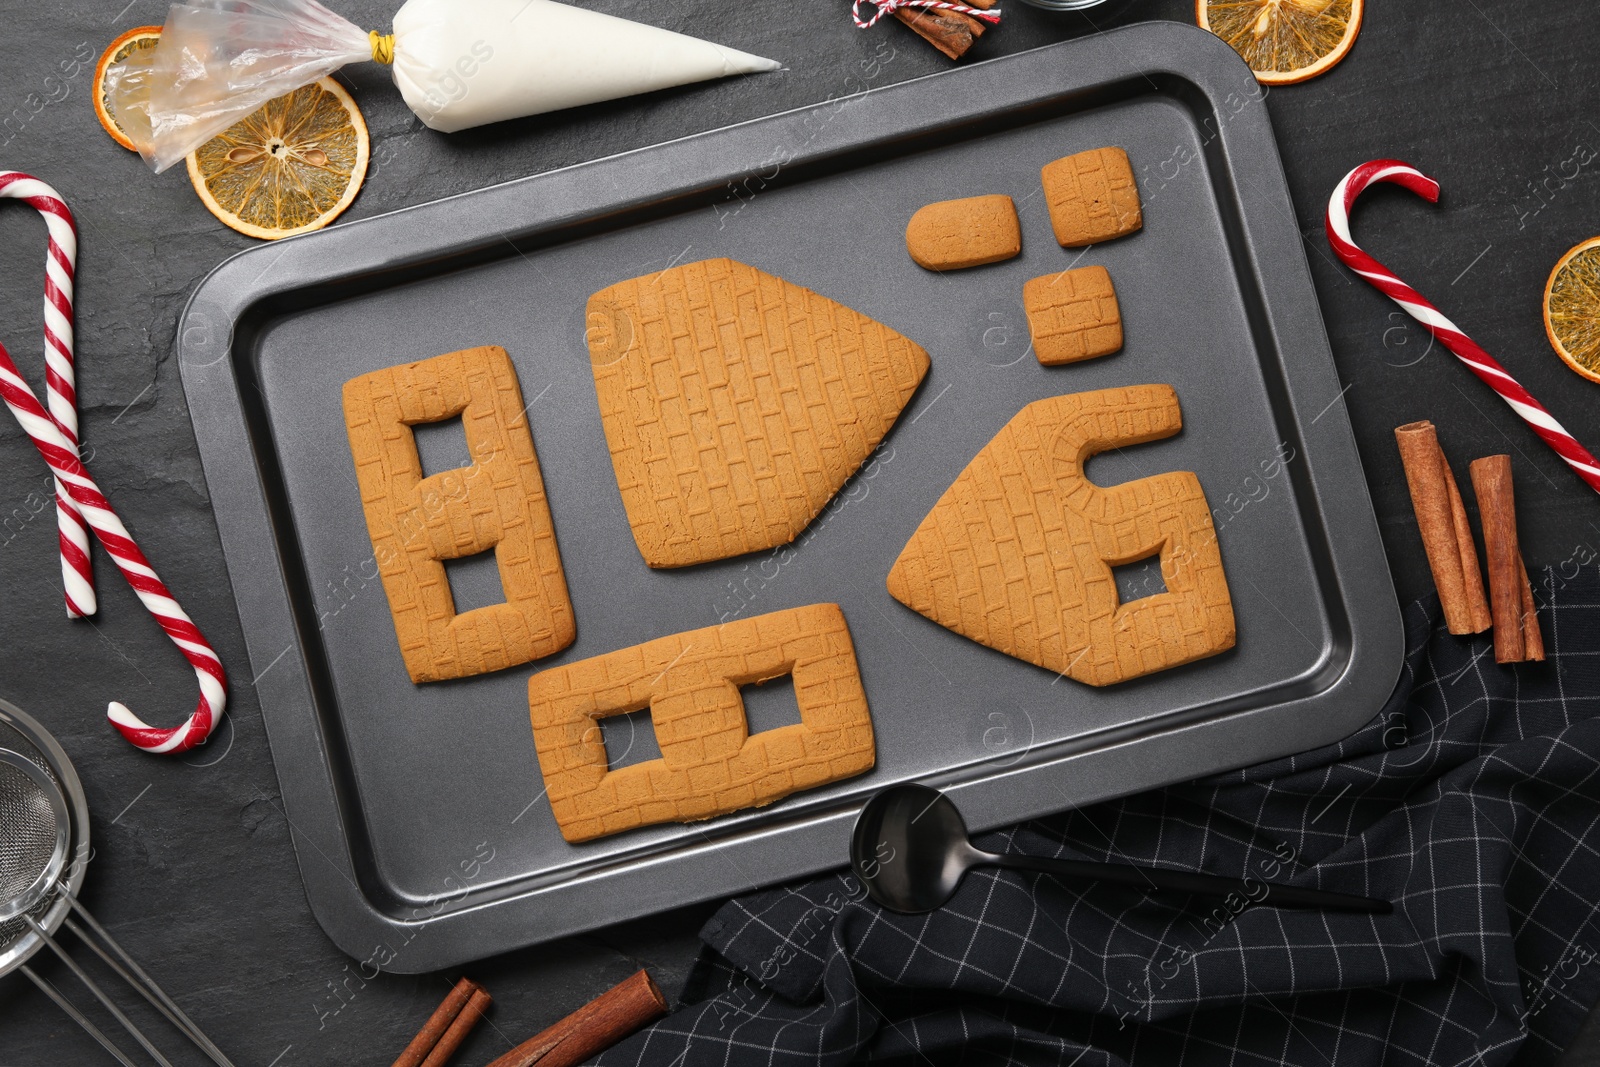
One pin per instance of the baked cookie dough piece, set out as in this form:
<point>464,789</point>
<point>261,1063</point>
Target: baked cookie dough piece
<point>1092,197</point>
<point>497,503</point>
<point>1017,554</point>
<point>1073,315</point>
<point>736,404</point>
<point>710,763</point>
<point>953,234</point>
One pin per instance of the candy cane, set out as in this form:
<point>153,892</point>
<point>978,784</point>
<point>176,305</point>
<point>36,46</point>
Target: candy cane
<point>888,7</point>
<point>60,381</point>
<point>1481,363</point>
<point>70,472</point>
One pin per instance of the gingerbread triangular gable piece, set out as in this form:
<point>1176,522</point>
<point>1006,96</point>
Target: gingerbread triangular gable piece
<point>736,404</point>
<point>1017,553</point>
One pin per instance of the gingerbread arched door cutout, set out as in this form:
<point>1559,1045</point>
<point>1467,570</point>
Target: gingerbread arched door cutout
<point>1018,552</point>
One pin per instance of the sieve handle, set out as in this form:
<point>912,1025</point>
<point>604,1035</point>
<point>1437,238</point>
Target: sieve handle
<point>141,981</point>
<point>77,1016</point>
<point>99,994</point>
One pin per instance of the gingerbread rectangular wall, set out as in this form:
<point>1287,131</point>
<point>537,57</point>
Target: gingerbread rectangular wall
<point>418,522</point>
<point>710,764</point>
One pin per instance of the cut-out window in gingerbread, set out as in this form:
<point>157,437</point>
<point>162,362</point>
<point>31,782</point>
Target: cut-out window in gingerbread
<point>710,763</point>
<point>1018,554</point>
<point>496,503</point>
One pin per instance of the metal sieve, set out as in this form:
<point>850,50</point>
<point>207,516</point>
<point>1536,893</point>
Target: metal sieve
<point>34,831</point>
<point>21,734</point>
<point>44,819</point>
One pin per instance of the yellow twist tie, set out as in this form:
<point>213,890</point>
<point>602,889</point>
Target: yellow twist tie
<point>382,46</point>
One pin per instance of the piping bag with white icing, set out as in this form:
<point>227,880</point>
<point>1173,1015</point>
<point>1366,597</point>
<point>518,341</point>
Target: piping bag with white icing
<point>458,63</point>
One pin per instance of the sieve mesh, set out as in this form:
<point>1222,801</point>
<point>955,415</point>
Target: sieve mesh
<point>15,929</point>
<point>27,832</point>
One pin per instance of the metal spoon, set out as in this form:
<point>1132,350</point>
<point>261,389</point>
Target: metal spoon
<point>910,847</point>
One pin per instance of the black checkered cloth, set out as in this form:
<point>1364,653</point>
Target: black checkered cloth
<point>1472,801</point>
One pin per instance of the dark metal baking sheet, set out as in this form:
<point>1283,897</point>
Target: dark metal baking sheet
<point>418,814</point>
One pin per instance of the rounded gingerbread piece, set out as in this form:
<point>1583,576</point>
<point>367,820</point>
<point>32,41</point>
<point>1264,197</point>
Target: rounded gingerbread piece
<point>954,234</point>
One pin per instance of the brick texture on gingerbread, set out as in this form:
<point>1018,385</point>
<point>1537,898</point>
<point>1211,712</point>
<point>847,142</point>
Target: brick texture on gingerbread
<point>1073,315</point>
<point>736,404</point>
<point>1018,553</point>
<point>1092,197</point>
<point>498,503</point>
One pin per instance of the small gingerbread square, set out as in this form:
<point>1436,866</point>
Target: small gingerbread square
<point>1092,197</point>
<point>953,234</point>
<point>1073,315</point>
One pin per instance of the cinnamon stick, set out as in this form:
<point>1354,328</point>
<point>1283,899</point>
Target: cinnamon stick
<point>1532,639</point>
<point>458,1031</point>
<point>950,32</point>
<point>1509,590</point>
<point>1442,521</point>
<point>1482,619</point>
<point>437,1023</point>
<point>593,1028</point>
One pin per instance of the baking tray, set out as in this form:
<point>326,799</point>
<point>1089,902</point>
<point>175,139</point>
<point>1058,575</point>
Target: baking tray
<point>418,812</point>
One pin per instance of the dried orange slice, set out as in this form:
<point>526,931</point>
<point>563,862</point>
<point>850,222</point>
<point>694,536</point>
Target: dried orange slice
<point>135,40</point>
<point>1284,41</point>
<point>289,168</point>
<point>1572,309</point>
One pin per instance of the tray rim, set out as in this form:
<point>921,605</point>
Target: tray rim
<point>364,252</point>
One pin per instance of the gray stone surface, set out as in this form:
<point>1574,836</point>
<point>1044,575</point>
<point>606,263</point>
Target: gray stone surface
<point>194,870</point>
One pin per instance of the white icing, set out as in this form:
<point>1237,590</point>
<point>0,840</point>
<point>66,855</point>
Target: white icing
<point>464,63</point>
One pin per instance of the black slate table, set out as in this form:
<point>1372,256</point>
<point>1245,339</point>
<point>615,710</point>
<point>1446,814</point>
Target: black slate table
<point>194,870</point>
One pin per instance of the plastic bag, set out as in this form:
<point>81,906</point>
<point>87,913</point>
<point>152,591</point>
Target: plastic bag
<point>219,61</point>
<point>458,63</point>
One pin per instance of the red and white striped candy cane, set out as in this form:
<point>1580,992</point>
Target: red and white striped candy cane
<point>55,434</point>
<point>888,7</point>
<point>1446,332</point>
<point>60,381</point>
<point>71,473</point>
